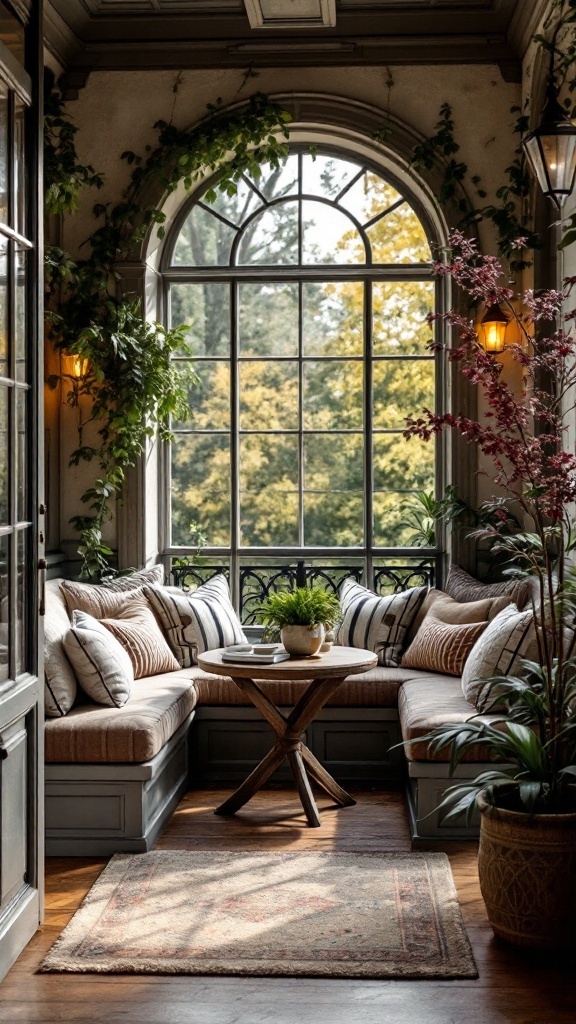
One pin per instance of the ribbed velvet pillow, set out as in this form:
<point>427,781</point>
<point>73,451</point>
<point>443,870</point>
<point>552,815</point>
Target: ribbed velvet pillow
<point>463,587</point>
<point>442,647</point>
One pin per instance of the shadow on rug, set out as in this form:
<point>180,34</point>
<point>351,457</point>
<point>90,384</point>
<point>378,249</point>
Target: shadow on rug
<point>330,915</point>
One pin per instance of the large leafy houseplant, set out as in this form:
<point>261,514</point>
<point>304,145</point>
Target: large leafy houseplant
<point>531,733</point>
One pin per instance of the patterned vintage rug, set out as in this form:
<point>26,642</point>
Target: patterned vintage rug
<point>332,915</point>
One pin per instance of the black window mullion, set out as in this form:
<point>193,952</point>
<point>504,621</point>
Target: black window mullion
<point>235,510</point>
<point>301,450</point>
<point>368,434</point>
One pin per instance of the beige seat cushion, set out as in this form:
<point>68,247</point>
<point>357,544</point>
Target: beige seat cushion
<point>424,703</point>
<point>92,734</point>
<point>376,688</point>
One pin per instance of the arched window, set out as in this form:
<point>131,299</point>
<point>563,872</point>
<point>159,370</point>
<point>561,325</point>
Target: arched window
<point>307,292</point>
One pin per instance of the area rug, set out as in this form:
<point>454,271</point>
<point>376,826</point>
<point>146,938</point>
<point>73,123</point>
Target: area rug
<point>330,915</point>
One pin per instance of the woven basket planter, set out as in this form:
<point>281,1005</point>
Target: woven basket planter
<point>527,870</point>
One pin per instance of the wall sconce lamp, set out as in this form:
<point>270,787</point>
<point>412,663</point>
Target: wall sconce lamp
<point>551,147</point>
<point>74,366</point>
<point>493,329</point>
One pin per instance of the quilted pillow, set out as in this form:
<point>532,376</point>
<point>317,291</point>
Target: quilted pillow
<point>442,646</point>
<point>376,623</point>
<point>463,587</point>
<point>508,638</point>
<point>98,599</point>
<point>102,666</point>
<point>199,621</point>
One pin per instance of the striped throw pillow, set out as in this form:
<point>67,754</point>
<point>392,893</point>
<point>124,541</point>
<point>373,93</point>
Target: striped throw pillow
<point>102,666</point>
<point>197,622</point>
<point>441,646</point>
<point>376,623</point>
<point>510,637</point>
<point>141,637</point>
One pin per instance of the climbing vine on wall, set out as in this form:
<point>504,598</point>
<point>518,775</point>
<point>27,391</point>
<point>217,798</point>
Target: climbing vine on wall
<point>130,387</point>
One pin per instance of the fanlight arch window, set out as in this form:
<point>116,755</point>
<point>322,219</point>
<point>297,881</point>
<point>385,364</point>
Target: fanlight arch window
<point>307,292</point>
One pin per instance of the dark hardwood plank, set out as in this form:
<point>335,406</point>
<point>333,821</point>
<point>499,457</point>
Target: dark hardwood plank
<point>513,987</point>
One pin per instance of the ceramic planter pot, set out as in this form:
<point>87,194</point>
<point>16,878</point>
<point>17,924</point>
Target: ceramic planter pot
<point>302,641</point>
<point>527,870</point>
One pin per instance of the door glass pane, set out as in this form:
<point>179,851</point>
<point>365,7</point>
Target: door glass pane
<point>4,156</point>
<point>4,456</point>
<point>20,167</point>
<point>4,608</point>
<point>4,349</point>
<point>22,594</point>
<point>21,398</point>
<point>269,490</point>
<point>333,318</point>
<point>20,317</point>
<point>201,489</point>
<point>268,319</point>
<point>206,309</point>
<point>268,395</point>
<point>333,489</point>
<point>333,395</point>
<point>399,324</point>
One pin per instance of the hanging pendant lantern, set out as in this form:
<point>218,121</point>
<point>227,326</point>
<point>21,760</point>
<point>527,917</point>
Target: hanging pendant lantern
<point>493,329</point>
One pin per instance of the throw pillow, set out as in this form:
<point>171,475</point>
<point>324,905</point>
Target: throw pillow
<point>377,623</point>
<point>141,637</point>
<point>445,608</point>
<point>463,587</point>
<point>102,666</point>
<point>60,687</point>
<point>98,599</point>
<point>199,621</point>
<point>442,646</point>
<point>508,638</point>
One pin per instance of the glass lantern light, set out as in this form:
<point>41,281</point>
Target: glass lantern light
<point>551,147</point>
<point>493,329</point>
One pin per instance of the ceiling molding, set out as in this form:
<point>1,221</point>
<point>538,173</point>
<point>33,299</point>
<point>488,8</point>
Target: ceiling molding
<point>525,22</point>
<point>61,41</point>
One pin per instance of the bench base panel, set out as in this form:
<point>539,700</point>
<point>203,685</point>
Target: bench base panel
<point>427,784</point>
<point>95,810</point>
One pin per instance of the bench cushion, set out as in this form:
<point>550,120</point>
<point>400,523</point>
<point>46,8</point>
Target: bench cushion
<point>426,703</point>
<point>376,688</point>
<point>136,732</point>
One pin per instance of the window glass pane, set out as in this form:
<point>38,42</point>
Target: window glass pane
<point>333,395</point>
<point>399,238</point>
<point>268,319</point>
<point>268,395</point>
<point>280,182</point>
<point>20,168</point>
<point>4,350</point>
<point>369,196</point>
<point>328,236</point>
<point>204,241</point>
<point>333,318</point>
<point>325,175</point>
<point>402,387</point>
<point>21,398</point>
<point>206,308</point>
<point>4,155</point>
<point>209,401</point>
<point>333,494</point>
<point>4,456</point>
<point>238,207</point>
<point>269,490</point>
<point>272,238</point>
<point>20,316</point>
<point>201,489</point>
<point>4,607</point>
<point>22,587</point>
<point>401,467</point>
<point>399,317</point>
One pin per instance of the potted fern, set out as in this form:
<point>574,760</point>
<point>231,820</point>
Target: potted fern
<point>301,615</point>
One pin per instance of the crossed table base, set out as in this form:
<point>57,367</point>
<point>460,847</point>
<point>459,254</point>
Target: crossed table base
<point>326,674</point>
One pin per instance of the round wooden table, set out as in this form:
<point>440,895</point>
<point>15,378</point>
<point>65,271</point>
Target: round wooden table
<point>326,672</point>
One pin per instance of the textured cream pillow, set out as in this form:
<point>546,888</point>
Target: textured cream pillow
<point>102,600</point>
<point>445,608</point>
<point>140,635</point>
<point>102,666</point>
<point>442,647</point>
<point>508,638</point>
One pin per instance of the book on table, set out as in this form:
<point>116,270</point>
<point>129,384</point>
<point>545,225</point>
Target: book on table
<point>250,658</point>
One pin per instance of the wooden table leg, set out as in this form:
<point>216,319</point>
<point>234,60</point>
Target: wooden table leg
<point>254,782</point>
<point>303,785</point>
<point>325,780</point>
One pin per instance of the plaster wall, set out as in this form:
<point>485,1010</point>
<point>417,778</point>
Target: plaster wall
<point>116,112</point>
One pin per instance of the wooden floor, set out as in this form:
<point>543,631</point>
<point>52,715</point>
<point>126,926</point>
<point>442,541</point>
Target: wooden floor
<point>512,988</point>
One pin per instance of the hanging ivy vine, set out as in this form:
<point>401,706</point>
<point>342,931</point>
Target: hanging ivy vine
<point>131,387</point>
